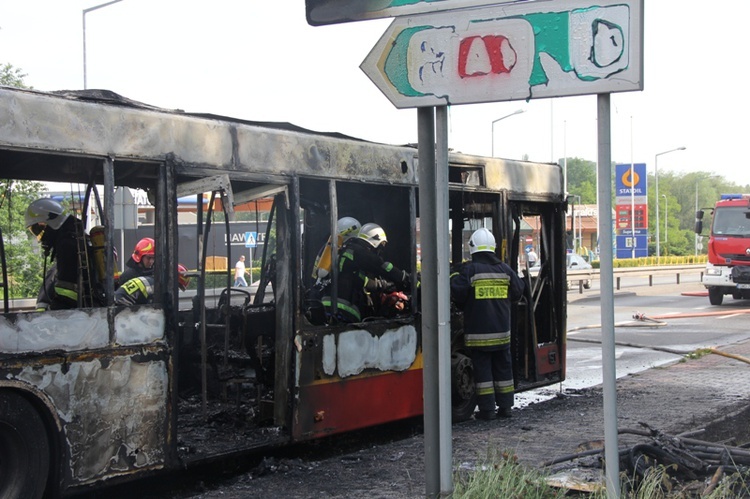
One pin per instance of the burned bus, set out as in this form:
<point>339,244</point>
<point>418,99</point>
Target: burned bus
<point>100,394</point>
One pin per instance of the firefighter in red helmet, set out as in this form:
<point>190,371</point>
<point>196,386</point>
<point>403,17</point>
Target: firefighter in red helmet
<point>141,262</point>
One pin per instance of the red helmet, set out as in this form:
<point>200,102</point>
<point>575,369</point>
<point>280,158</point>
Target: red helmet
<point>183,280</point>
<point>144,247</point>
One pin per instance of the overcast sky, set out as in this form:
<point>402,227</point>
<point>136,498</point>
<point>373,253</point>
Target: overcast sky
<point>259,60</point>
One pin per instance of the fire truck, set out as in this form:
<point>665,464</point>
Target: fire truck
<point>728,267</point>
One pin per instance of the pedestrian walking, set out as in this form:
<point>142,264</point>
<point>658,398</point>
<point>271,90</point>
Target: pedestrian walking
<point>239,273</point>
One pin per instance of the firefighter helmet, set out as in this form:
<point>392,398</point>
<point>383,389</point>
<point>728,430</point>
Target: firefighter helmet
<point>44,212</point>
<point>481,240</point>
<point>373,234</point>
<point>347,227</point>
<point>183,280</point>
<point>144,247</point>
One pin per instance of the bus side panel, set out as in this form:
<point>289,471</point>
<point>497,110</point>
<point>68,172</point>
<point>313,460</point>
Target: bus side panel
<point>110,402</point>
<point>357,378</point>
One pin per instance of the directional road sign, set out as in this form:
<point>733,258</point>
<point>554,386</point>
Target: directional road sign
<point>507,52</point>
<point>321,12</point>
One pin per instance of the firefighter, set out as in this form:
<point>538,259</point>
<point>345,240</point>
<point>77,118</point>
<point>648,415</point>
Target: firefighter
<point>484,289</point>
<point>58,233</point>
<point>141,262</point>
<point>362,273</point>
<point>140,290</point>
<point>346,228</point>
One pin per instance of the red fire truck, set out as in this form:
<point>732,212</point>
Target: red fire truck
<point>728,267</point>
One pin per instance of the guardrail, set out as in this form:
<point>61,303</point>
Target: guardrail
<point>650,272</point>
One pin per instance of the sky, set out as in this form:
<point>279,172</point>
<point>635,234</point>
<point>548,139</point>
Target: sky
<point>261,61</point>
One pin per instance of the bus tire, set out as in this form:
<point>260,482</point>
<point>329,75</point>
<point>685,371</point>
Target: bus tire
<point>24,448</point>
<point>715,295</point>
<point>463,392</point>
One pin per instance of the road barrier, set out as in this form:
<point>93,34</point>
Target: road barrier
<point>664,270</point>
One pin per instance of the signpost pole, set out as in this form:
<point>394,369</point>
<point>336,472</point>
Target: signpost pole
<point>611,452</point>
<point>433,216</point>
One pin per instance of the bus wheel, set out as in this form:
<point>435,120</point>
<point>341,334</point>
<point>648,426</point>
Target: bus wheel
<point>715,295</point>
<point>463,393</point>
<point>24,448</point>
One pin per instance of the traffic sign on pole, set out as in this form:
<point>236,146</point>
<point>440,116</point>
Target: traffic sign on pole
<point>518,51</point>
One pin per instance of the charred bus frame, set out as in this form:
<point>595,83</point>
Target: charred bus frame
<point>105,394</point>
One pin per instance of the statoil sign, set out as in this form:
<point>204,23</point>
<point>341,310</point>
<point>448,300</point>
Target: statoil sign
<point>630,182</point>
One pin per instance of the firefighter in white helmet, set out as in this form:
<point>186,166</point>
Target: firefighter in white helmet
<point>484,289</point>
<point>364,275</point>
<point>58,233</point>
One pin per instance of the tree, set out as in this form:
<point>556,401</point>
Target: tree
<point>581,179</point>
<point>12,77</point>
<point>24,266</point>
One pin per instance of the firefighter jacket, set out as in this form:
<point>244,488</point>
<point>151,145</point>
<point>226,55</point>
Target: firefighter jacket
<point>133,270</point>
<point>363,271</point>
<point>60,286</point>
<point>136,291</point>
<point>484,289</point>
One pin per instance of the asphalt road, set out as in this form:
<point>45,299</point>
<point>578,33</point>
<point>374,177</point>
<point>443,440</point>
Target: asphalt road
<point>673,320</point>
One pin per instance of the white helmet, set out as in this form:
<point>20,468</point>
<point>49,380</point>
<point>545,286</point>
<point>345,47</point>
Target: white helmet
<point>481,240</point>
<point>348,227</point>
<point>45,211</point>
<point>373,234</point>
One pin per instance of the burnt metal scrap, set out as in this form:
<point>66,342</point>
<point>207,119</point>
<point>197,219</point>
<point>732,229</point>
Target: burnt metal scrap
<point>682,458</point>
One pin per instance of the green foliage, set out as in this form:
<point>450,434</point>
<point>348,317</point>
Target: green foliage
<point>12,77</point>
<point>22,257</point>
<point>21,253</point>
<point>581,179</point>
<point>683,192</point>
<point>500,476</point>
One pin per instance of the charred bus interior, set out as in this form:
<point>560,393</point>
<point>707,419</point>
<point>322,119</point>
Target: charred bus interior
<point>219,370</point>
<point>538,319</point>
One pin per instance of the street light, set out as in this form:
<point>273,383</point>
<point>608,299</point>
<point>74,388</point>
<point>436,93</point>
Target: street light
<point>656,182</point>
<point>666,218</point>
<point>85,11</point>
<point>517,111</point>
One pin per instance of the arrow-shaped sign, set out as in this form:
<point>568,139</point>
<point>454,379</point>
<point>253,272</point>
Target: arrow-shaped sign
<point>512,52</point>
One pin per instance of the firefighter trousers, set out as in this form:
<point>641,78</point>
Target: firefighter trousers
<point>493,376</point>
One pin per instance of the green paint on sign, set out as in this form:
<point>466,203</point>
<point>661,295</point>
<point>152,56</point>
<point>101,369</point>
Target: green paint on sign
<point>551,37</point>
<point>396,63</point>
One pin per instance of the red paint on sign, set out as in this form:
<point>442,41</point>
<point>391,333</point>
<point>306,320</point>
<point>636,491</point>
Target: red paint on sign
<point>500,53</point>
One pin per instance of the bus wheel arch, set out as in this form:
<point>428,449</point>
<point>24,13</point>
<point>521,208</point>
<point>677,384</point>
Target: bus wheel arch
<point>27,447</point>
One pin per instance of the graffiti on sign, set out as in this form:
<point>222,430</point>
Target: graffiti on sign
<point>506,53</point>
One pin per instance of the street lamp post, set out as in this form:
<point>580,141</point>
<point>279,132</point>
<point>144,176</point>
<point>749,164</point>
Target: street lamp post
<point>666,219</point>
<point>86,11</point>
<point>517,111</point>
<point>656,182</point>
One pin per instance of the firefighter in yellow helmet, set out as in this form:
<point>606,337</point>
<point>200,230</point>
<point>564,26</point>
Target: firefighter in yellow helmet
<point>346,227</point>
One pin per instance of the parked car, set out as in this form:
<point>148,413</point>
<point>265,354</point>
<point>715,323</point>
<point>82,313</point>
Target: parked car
<point>576,262</point>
